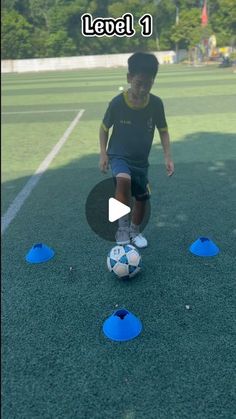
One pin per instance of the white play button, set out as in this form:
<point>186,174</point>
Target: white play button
<point>116,210</point>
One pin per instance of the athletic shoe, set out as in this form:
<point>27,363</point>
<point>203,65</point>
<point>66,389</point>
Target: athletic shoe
<point>122,236</point>
<point>139,241</point>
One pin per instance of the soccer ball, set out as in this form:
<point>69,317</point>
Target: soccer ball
<point>124,261</point>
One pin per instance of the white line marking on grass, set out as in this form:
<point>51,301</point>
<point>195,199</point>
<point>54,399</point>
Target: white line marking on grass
<point>16,205</point>
<point>46,111</point>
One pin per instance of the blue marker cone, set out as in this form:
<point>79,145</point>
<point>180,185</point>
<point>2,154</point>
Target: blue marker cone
<point>204,247</point>
<point>39,253</point>
<point>122,325</point>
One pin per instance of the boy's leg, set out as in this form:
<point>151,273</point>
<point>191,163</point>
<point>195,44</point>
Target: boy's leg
<point>141,194</point>
<point>122,177</point>
<point>123,194</point>
<point>137,217</point>
<point>123,188</point>
<point>138,212</point>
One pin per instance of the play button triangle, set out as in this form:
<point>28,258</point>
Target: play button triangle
<point>116,209</point>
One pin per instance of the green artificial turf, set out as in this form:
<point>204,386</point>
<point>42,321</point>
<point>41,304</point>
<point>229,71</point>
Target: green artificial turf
<point>56,362</point>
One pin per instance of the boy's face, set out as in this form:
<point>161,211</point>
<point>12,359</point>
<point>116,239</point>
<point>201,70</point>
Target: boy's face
<point>140,85</point>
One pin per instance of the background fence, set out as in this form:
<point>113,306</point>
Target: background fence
<point>82,62</point>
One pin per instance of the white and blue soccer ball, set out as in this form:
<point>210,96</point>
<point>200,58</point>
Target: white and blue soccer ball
<point>124,261</point>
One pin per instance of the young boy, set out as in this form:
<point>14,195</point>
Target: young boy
<point>134,114</point>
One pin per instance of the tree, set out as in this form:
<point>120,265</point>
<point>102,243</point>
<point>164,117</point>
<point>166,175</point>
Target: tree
<point>137,8</point>
<point>16,36</point>
<point>39,10</point>
<point>42,28</point>
<point>59,44</point>
<point>223,20</point>
<point>189,31</point>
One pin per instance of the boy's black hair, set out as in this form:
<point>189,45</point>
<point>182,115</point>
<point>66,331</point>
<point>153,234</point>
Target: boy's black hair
<point>143,63</point>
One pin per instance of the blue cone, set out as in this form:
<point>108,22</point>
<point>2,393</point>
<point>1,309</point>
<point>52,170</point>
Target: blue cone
<point>122,325</point>
<point>39,253</point>
<point>204,247</point>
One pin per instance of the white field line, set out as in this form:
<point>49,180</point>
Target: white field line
<point>19,200</point>
<point>46,111</point>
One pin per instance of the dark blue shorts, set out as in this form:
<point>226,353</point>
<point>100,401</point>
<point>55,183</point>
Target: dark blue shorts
<point>139,177</point>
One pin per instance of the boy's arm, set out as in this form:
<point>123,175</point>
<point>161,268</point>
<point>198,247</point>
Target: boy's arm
<point>103,139</point>
<point>165,141</point>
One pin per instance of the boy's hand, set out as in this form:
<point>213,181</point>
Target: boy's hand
<point>103,163</point>
<point>169,167</point>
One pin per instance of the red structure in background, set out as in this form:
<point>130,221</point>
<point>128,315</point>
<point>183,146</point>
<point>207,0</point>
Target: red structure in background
<point>204,14</point>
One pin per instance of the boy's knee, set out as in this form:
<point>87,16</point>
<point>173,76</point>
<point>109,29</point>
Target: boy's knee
<point>123,184</point>
<point>123,180</point>
<point>123,176</point>
<point>142,197</point>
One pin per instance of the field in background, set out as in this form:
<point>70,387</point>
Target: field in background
<point>56,361</point>
<point>37,108</point>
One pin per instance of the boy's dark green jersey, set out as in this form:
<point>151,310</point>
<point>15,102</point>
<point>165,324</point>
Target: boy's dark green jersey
<point>133,128</point>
